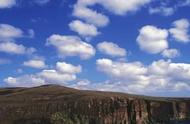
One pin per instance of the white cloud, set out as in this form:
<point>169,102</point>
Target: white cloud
<point>166,11</point>
<point>84,29</point>
<point>63,73</point>
<point>12,48</point>
<point>180,30</point>
<point>90,16</point>
<point>82,9</point>
<point>181,86</point>
<point>152,39</point>
<point>111,49</point>
<point>71,46</point>
<point>170,53</point>
<point>7,3</point>
<point>68,68</point>
<point>82,85</point>
<point>121,70</point>
<point>54,76</point>
<point>120,8</point>
<point>173,72</point>
<point>165,8</point>
<point>8,36</point>
<point>39,64</point>
<point>131,77</point>
<point>24,81</point>
<point>160,76</point>
<point>9,32</point>
<point>83,82</point>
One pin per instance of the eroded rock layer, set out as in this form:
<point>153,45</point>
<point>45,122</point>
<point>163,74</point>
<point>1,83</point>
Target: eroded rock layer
<point>53,104</point>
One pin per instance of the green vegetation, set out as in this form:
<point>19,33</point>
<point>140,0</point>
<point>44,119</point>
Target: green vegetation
<point>61,118</point>
<point>65,118</point>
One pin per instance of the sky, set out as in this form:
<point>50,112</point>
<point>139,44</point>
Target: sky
<point>132,46</point>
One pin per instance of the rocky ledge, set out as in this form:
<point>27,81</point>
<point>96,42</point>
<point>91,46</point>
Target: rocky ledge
<point>52,104</point>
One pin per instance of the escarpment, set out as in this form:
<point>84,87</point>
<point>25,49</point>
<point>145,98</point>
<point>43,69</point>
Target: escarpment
<point>53,104</point>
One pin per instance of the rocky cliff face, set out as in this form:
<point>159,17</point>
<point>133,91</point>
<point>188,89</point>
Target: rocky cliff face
<point>59,105</point>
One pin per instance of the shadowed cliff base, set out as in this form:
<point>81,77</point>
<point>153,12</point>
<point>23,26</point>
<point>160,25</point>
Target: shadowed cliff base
<point>53,104</point>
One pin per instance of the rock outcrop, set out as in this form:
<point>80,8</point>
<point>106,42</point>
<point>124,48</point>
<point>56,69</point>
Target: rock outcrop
<point>53,104</point>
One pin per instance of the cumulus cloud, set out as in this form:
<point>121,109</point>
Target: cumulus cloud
<point>71,46</point>
<point>61,75</point>
<point>39,64</point>
<point>13,48</point>
<point>170,53</point>
<point>173,72</point>
<point>9,32</point>
<point>55,77</point>
<point>90,16</point>
<point>82,9</point>
<point>8,36</point>
<point>83,82</point>
<point>24,81</point>
<point>122,7</point>
<point>138,78</point>
<point>180,30</point>
<point>121,70</point>
<point>111,49</point>
<point>7,3</point>
<point>152,39</point>
<point>82,85</point>
<point>68,68</point>
<point>181,86</point>
<point>83,29</point>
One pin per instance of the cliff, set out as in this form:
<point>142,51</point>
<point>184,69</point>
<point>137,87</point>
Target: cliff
<point>52,104</point>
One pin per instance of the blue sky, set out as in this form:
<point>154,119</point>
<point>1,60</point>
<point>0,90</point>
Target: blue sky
<point>136,46</point>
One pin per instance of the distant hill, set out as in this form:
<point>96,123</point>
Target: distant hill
<point>54,104</point>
